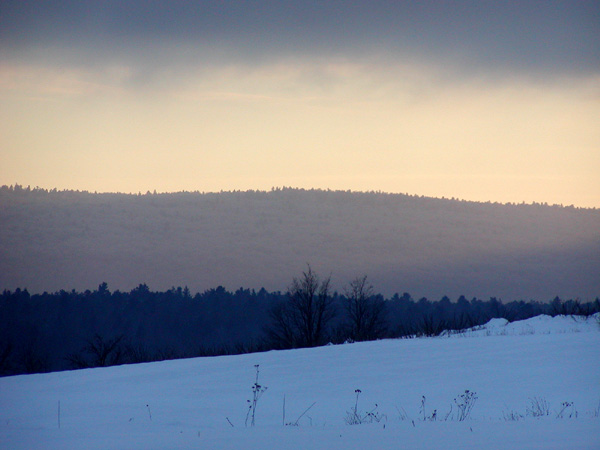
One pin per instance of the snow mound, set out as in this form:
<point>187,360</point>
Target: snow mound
<point>542,324</point>
<point>497,322</point>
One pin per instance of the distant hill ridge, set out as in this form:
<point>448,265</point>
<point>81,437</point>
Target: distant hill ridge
<point>429,247</point>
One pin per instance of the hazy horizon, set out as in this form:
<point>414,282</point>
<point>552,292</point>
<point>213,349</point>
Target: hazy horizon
<point>480,101</point>
<point>292,188</point>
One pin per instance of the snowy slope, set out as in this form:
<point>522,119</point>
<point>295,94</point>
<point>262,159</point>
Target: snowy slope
<point>542,324</point>
<point>186,404</point>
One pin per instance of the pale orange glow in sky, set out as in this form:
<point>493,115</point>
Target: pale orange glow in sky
<point>304,124</point>
<point>501,103</point>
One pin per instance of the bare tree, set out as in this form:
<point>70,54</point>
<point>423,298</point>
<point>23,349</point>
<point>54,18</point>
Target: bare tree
<point>365,311</point>
<point>302,320</point>
<point>281,333</point>
<point>102,353</point>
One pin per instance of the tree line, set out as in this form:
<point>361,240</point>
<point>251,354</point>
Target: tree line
<point>71,330</point>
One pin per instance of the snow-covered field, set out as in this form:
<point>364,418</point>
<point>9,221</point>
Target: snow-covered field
<point>201,403</point>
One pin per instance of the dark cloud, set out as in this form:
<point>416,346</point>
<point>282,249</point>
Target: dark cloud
<point>526,36</point>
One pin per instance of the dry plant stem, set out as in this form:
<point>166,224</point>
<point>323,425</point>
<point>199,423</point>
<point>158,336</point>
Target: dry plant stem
<point>257,391</point>
<point>301,415</point>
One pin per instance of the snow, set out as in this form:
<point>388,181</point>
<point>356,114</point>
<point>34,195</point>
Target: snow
<point>186,404</point>
<point>542,324</point>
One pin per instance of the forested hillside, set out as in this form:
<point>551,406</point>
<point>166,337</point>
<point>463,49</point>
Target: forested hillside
<point>429,247</point>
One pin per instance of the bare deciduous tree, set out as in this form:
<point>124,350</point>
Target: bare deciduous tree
<point>302,320</point>
<point>102,353</point>
<point>365,311</point>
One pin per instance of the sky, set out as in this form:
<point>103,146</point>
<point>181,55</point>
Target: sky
<point>476,100</point>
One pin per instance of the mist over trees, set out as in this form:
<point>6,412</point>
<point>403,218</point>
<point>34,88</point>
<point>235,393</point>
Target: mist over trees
<point>54,240</point>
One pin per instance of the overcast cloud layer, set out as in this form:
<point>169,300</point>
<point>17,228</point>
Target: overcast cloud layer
<point>531,37</point>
